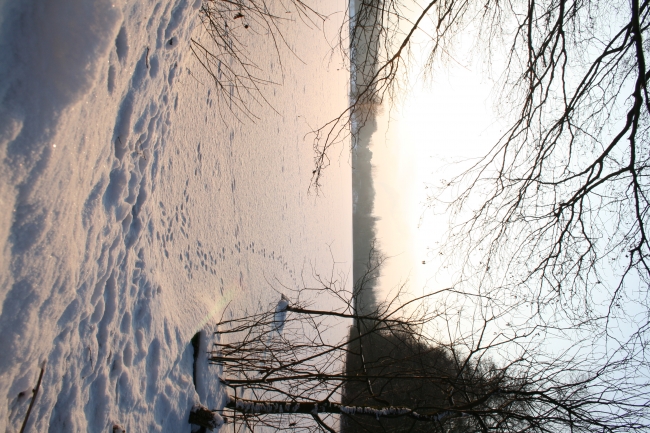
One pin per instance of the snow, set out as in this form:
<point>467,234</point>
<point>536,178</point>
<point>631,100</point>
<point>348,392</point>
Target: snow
<point>392,411</point>
<point>280,315</point>
<point>265,407</point>
<point>211,419</point>
<point>386,411</point>
<point>134,210</point>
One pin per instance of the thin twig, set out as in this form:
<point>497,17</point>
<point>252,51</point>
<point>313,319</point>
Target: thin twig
<point>35,391</point>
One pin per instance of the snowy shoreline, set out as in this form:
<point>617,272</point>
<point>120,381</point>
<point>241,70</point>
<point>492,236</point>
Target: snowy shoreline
<point>133,214</point>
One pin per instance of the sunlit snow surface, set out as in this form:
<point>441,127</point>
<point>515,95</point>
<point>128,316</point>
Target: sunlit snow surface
<point>132,214</point>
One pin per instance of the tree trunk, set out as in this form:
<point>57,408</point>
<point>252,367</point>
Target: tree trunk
<point>259,407</point>
<point>204,417</point>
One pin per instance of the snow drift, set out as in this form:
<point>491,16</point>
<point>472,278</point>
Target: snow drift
<point>132,214</point>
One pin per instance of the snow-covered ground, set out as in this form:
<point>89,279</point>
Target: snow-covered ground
<point>131,213</point>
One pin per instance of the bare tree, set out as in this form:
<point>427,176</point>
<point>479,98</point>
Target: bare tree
<point>222,49</point>
<point>554,280</point>
<point>569,175</point>
<point>565,188</point>
<point>551,224</point>
<point>380,34</point>
<point>558,209</point>
<point>432,363</point>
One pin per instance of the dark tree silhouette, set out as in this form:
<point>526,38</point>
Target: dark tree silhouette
<point>432,363</point>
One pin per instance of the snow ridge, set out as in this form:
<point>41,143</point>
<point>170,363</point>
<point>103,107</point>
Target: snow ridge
<point>133,213</point>
<point>82,298</point>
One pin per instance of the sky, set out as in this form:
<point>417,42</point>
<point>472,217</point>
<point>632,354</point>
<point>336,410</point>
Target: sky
<point>426,137</point>
<point>439,122</point>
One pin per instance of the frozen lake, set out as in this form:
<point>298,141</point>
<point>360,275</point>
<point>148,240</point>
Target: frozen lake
<point>134,209</point>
